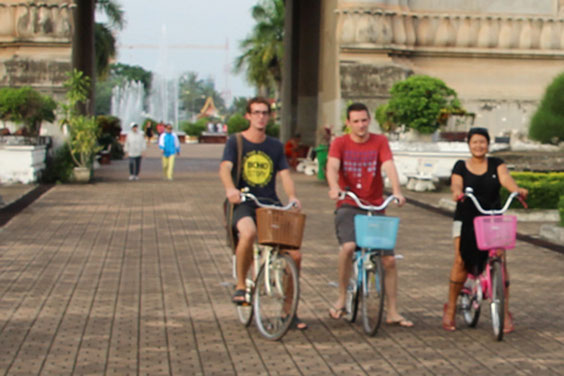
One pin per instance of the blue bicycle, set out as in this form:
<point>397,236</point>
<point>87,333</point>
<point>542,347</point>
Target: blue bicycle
<point>374,233</point>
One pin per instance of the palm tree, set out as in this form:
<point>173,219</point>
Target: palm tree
<point>263,49</point>
<point>105,42</point>
<point>85,53</point>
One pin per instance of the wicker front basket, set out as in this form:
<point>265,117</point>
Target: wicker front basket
<point>279,227</point>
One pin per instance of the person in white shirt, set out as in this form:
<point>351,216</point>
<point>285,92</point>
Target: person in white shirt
<point>134,147</point>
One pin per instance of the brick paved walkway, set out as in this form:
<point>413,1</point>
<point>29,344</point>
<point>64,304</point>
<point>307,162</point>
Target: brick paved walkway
<point>123,277</point>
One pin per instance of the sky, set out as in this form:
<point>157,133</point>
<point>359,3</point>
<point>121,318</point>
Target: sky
<point>202,28</point>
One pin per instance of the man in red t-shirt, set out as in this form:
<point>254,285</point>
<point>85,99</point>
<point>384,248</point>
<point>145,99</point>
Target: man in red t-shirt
<point>355,163</point>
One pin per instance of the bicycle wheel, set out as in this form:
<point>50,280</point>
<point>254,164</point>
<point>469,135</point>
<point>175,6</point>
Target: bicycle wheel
<point>245,311</point>
<point>373,295</point>
<point>276,297</point>
<point>497,300</point>
<point>351,302</point>
<point>468,304</point>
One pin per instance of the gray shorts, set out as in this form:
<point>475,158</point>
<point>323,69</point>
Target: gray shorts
<point>344,225</point>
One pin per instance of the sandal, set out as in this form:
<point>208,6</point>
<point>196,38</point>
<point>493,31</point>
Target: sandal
<point>448,324</point>
<point>239,297</point>
<point>337,313</point>
<point>298,324</point>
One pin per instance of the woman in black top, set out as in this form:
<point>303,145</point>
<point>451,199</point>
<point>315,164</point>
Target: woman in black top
<point>485,175</point>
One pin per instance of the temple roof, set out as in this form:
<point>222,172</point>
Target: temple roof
<point>209,109</point>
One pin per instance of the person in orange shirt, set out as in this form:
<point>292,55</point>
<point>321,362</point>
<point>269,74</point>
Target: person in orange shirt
<point>291,150</point>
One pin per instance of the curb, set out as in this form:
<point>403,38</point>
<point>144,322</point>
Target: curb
<point>12,209</point>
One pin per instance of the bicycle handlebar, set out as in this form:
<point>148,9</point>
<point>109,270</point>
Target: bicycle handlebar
<point>343,195</point>
<point>469,192</point>
<point>245,195</point>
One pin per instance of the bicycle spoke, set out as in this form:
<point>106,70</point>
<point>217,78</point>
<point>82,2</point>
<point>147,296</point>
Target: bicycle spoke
<point>276,297</point>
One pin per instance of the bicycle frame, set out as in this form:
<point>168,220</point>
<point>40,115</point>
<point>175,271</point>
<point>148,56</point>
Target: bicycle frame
<point>364,265</point>
<point>482,285</point>
<point>268,281</point>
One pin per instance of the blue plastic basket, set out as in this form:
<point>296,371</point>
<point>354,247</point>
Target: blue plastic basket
<point>376,232</point>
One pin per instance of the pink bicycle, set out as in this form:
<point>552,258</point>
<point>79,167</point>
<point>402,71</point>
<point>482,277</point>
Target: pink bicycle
<point>495,233</point>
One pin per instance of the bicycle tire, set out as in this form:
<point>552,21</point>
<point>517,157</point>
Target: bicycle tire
<point>497,305</point>
<point>468,304</point>
<point>245,311</point>
<point>352,298</point>
<point>373,295</point>
<point>270,317</point>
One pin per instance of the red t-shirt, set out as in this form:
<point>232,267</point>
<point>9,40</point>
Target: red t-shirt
<point>361,166</point>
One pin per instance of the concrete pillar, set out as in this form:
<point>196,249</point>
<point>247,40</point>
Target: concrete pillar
<point>300,84</point>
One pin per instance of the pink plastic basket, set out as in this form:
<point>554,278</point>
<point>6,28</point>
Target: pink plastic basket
<point>497,231</point>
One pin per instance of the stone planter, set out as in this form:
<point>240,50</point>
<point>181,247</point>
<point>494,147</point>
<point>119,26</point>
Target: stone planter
<point>81,174</point>
<point>21,163</point>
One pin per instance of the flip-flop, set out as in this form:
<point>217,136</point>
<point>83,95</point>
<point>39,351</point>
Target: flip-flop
<point>337,313</point>
<point>511,327</point>
<point>403,322</point>
<point>239,297</point>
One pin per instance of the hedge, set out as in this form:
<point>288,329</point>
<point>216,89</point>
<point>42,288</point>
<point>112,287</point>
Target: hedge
<point>545,189</point>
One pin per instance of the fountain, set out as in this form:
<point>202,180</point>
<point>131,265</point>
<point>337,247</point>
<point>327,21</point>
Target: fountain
<point>163,99</point>
<point>127,103</point>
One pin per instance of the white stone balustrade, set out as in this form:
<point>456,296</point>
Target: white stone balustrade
<point>26,21</point>
<point>378,28</point>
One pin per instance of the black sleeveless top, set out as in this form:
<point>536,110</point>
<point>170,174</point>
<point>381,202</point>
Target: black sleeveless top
<point>486,189</point>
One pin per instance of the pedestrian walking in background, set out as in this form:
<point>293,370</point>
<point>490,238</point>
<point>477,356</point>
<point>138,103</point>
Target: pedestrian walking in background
<point>149,131</point>
<point>169,144</point>
<point>134,147</point>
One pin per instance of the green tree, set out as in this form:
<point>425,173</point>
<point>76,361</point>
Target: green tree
<point>263,50</point>
<point>193,92</point>
<point>547,124</point>
<point>422,103</point>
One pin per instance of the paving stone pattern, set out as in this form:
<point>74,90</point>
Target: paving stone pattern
<point>122,277</point>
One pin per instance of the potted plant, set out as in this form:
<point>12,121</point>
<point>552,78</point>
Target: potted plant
<point>28,107</point>
<point>82,130</point>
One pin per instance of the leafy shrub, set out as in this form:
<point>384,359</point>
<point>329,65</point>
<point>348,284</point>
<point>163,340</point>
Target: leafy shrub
<point>544,189</point>
<point>28,106</point>
<point>547,124</point>
<point>561,210</point>
<point>109,125</point>
<point>237,123</point>
<point>195,129</point>
<point>116,151</point>
<point>422,103</point>
<point>59,166</point>
<point>273,129</point>
<point>383,118</point>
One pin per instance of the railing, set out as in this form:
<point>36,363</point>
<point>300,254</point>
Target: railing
<point>31,20</point>
<point>408,31</point>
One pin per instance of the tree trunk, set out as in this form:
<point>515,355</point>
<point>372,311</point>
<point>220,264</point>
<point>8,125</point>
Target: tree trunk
<point>83,53</point>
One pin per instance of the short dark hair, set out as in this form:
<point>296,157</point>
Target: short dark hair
<point>260,100</point>
<point>480,131</point>
<point>357,106</point>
